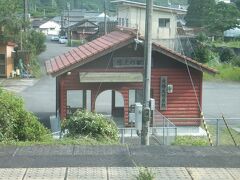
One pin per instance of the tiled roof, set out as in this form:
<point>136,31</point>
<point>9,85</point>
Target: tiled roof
<point>183,59</point>
<point>91,50</point>
<point>106,44</point>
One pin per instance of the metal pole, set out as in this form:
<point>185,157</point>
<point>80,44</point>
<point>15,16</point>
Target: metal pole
<point>229,130</point>
<point>164,131</point>
<point>105,18</point>
<point>217,133</point>
<point>167,133</point>
<point>68,29</point>
<point>147,72</point>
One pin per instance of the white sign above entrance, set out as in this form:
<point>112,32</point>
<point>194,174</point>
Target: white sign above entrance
<point>95,77</point>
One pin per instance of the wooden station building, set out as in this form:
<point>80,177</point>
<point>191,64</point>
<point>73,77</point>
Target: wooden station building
<point>115,62</point>
<point>6,59</point>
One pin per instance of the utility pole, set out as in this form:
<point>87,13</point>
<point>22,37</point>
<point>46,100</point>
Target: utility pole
<point>105,18</point>
<point>25,9</point>
<point>147,73</point>
<point>68,29</point>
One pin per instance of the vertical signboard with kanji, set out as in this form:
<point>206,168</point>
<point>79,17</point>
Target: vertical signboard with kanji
<point>163,93</point>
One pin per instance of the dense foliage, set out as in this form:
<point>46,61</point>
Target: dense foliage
<point>227,54</point>
<point>34,41</point>
<point>223,17</point>
<point>16,123</point>
<point>83,123</point>
<point>53,7</point>
<point>198,12</point>
<point>215,18</point>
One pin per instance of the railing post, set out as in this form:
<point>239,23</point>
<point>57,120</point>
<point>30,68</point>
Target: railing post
<point>175,134</point>
<point>167,133</point>
<point>122,135</point>
<point>217,133</point>
<point>163,131</point>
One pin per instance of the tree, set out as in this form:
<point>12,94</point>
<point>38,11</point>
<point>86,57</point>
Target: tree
<point>10,23</point>
<point>198,12</point>
<point>237,2</point>
<point>224,17</point>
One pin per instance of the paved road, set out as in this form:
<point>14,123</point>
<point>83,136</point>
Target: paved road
<point>221,98</point>
<point>41,98</point>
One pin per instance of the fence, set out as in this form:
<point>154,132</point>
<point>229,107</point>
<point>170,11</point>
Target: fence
<point>161,132</point>
<point>221,133</point>
<point>224,131</point>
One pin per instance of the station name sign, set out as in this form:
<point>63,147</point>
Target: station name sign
<point>119,62</point>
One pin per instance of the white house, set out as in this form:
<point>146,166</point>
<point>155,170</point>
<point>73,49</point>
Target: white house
<point>164,26</point>
<point>50,28</point>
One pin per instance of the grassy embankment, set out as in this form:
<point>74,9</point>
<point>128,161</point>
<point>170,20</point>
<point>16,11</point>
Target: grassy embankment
<point>226,72</point>
<point>224,138</point>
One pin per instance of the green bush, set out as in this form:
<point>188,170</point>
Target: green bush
<point>202,37</point>
<point>202,53</point>
<point>227,54</point>
<point>83,123</point>
<point>236,61</point>
<point>16,123</point>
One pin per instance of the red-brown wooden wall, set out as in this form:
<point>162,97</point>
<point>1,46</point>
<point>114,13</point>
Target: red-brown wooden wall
<point>184,102</point>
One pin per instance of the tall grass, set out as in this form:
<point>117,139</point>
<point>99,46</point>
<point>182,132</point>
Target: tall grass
<point>227,72</point>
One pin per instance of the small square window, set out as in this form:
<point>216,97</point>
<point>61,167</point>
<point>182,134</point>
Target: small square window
<point>163,22</point>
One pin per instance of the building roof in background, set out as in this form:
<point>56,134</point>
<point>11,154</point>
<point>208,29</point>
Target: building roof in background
<point>49,24</point>
<point>37,23</point>
<point>78,15</point>
<point>83,24</point>
<point>107,44</point>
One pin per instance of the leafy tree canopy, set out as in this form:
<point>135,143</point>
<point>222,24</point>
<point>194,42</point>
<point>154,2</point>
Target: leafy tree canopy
<point>225,16</point>
<point>198,12</point>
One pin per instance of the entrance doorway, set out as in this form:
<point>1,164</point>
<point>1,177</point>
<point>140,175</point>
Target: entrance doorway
<point>111,104</point>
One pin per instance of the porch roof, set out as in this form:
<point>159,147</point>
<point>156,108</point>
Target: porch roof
<point>106,44</point>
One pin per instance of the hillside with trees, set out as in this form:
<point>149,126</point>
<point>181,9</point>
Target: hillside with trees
<point>51,8</point>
